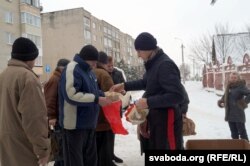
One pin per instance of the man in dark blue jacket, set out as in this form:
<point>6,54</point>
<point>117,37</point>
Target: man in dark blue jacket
<point>79,99</point>
<point>163,94</point>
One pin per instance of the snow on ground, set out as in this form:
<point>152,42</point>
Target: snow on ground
<point>203,109</point>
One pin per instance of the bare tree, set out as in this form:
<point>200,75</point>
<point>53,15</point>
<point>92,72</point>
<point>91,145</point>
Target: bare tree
<point>242,44</point>
<point>201,49</point>
<point>223,42</point>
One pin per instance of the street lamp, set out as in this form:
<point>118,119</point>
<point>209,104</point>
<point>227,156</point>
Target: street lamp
<point>182,56</point>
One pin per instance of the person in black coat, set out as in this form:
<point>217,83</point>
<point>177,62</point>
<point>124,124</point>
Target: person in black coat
<point>235,100</point>
<point>116,75</point>
<point>163,94</point>
<point>143,130</point>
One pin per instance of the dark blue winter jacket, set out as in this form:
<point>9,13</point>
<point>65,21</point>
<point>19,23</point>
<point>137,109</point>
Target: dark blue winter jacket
<point>161,83</point>
<point>78,96</point>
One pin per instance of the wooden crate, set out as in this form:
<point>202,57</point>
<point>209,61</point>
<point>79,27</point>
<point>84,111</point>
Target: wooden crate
<point>217,144</point>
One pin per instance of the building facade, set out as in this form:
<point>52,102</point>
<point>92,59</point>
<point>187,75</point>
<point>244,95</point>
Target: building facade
<point>65,32</point>
<point>20,18</point>
<point>60,34</point>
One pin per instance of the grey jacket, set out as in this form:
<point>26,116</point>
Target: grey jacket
<point>235,98</point>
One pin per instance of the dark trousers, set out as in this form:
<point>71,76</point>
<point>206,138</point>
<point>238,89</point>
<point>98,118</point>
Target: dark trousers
<point>80,147</point>
<point>165,129</point>
<point>57,145</point>
<point>144,144</point>
<point>238,130</point>
<point>104,141</point>
<point>113,145</point>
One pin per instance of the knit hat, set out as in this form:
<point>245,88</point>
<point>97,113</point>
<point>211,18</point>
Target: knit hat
<point>89,52</point>
<point>145,41</point>
<point>24,49</point>
<point>103,57</point>
<point>62,62</point>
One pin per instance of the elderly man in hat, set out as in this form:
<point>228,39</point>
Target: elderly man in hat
<point>79,100</point>
<point>23,114</point>
<point>51,97</point>
<point>163,94</point>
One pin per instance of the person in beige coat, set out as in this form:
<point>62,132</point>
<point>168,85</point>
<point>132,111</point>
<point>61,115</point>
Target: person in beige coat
<point>23,115</point>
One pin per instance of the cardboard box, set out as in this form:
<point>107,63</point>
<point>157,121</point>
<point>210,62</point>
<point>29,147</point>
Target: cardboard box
<point>217,144</point>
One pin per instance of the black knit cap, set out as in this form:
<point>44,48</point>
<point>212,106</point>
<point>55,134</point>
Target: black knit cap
<point>62,62</point>
<point>145,41</point>
<point>103,57</point>
<point>89,52</point>
<point>24,49</point>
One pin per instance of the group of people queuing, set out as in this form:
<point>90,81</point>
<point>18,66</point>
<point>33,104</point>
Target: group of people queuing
<point>71,106</point>
<point>87,136</point>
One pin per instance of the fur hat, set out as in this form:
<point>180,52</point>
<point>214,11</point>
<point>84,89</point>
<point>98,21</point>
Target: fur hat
<point>62,62</point>
<point>103,58</point>
<point>145,41</point>
<point>24,49</point>
<point>89,52</point>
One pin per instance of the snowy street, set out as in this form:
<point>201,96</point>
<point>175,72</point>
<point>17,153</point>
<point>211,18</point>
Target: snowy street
<point>203,109</point>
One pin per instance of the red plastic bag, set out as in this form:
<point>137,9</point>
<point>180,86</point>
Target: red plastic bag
<point>112,114</point>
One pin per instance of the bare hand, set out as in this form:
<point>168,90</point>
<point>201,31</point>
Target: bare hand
<point>52,122</point>
<point>104,101</point>
<point>123,92</point>
<point>43,161</point>
<point>117,88</point>
<point>141,104</point>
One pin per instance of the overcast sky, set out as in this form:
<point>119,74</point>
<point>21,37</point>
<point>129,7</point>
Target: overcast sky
<point>167,20</point>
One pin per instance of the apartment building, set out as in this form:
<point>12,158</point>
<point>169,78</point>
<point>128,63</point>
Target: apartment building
<point>65,32</point>
<point>20,18</point>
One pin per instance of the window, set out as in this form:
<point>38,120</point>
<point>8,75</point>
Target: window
<point>109,32</point>
<point>105,41</point>
<point>129,42</point>
<point>87,34</point>
<point>31,19</point>
<point>105,30</point>
<point>86,21</point>
<point>26,1</point>
<point>94,37</point>
<point>39,61</point>
<point>9,17</point>
<point>9,38</point>
<point>34,3</point>
<point>113,34</point>
<point>35,39</point>
<point>109,43</point>
<point>93,25</point>
<point>117,35</point>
